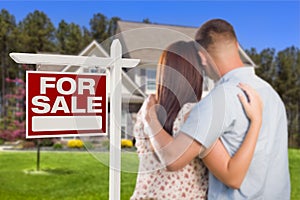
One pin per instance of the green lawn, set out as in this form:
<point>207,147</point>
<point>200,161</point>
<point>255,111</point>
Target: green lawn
<point>80,175</point>
<point>294,162</point>
<point>77,175</point>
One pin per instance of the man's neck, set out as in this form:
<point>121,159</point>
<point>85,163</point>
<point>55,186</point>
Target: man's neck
<point>227,65</point>
<point>229,68</point>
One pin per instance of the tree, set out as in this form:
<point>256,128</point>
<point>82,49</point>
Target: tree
<point>69,38</point>
<point>12,125</point>
<point>146,21</point>
<point>61,35</point>
<point>266,68</point>
<point>287,85</point>
<point>98,26</point>
<point>265,62</point>
<point>7,28</point>
<point>112,26</point>
<point>38,33</point>
<point>87,37</point>
<point>282,71</point>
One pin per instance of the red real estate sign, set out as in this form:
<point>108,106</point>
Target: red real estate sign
<point>65,104</point>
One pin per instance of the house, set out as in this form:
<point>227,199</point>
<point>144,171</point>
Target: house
<point>145,42</point>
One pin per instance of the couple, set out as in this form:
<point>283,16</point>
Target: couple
<point>239,134</point>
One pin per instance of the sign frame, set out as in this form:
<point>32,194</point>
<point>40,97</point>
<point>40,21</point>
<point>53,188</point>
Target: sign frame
<point>31,136</point>
<point>114,63</point>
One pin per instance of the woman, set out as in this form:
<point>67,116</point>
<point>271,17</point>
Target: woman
<point>179,87</point>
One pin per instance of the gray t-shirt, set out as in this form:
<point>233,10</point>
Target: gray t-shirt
<point>220,115</point>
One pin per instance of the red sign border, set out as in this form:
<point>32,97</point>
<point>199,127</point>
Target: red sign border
<point>66,135</point>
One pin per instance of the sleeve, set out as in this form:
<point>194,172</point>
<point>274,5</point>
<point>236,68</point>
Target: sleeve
<point>182,115</point>
<point>142,141</point>
<point>206,121</point>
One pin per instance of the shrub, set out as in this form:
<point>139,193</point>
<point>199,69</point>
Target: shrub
<point>75,143</point>
<point>126,143</point>
<point>57,146</point>
<point>88,145</point>
<point>105,144</point>
<point>46,142</point>
<point>28,144</point>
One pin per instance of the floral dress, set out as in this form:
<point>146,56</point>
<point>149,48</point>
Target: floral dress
<point>155,182</point>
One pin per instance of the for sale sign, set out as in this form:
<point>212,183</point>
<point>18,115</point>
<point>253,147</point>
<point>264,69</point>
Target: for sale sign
<point>65,104</point>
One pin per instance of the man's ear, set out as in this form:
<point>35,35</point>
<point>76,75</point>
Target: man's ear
<point>203,58</point>
<point>237,44</point>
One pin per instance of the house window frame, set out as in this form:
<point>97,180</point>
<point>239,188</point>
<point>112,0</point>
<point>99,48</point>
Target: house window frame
<point>150,81</point>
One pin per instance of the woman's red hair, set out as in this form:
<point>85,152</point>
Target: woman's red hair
<point>179,81</point>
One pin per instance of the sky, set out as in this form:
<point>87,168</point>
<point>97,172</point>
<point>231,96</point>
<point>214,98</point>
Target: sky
<point>258,24</point>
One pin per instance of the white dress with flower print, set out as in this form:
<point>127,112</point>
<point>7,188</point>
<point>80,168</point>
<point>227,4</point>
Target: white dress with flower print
<point>155,182</point>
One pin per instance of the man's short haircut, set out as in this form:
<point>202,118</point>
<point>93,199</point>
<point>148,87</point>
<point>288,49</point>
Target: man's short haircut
<point>215,31</point>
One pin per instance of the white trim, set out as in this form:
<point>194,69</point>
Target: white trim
<point>246,56</point>
<point>86,49</point>
<point>94,42</point>
<point>56,59</point>
<point>115,122</point>
<point>133,84</point>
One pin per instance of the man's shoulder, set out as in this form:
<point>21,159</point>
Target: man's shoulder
<point>266,90</point>
<point>227,90</point>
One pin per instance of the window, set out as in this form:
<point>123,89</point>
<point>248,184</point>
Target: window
<point>150,79</point>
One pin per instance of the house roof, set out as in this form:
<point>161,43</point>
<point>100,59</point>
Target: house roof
<point>146,41</point>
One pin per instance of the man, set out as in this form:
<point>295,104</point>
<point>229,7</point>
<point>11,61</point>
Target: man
<point>220,115</point>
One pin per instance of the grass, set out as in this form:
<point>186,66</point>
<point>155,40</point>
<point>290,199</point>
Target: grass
<point>80,175</point>
<point>294,163</point>
<point>76,175</point>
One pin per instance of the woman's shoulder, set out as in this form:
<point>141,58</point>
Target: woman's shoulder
<point>181,116</point>
<point>186,108</point>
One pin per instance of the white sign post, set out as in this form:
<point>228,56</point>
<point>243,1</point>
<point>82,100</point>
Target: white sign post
<point>115,63</point>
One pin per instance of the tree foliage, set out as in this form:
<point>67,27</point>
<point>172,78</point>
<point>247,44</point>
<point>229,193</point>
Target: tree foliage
<point>69,38</point>
<point>36,33</point>
<point>7,43</point>
<point>282,71</point>
<point>287,85</point>
<point>99,26</point>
